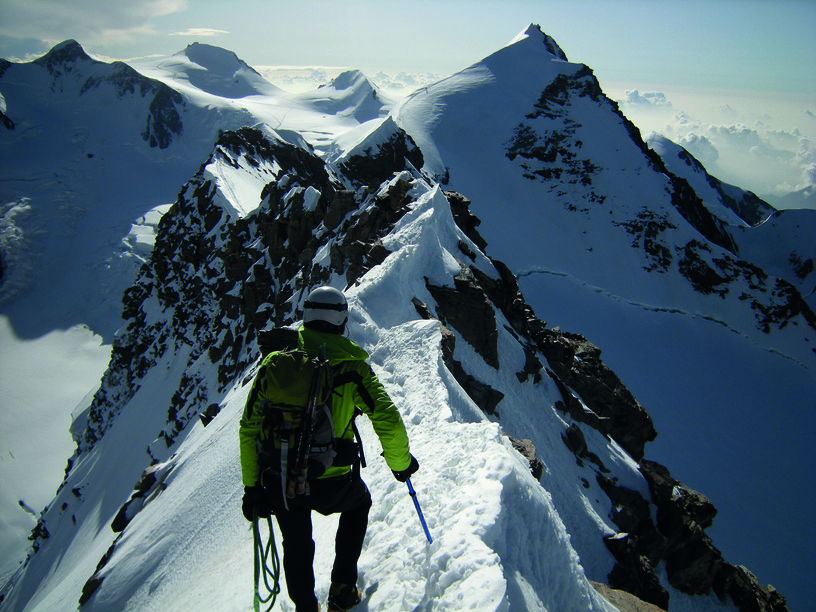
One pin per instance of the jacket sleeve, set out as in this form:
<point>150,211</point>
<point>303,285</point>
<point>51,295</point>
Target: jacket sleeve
<point>248,428</point>
<point>386,420</point>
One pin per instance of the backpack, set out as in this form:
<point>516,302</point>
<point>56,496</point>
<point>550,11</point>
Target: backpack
<point>297,441</point>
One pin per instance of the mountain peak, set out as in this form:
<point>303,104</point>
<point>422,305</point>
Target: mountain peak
<point>218,72</point>
<point>349,79</point>
<point>534,33</point>
<point>216,60</point>
<point>65,52</point>
<point>350,94</point>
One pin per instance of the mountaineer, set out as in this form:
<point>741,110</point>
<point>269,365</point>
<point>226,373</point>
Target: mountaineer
<point>273,488</point>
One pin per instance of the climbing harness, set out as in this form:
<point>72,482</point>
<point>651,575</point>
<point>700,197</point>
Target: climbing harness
<point>263,570</point>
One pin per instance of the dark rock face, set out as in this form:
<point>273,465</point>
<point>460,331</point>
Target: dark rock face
<point>693,564</point>
<point>465,219</point>
<point>375,166</point>
<point>580,373</point>
<point>553,153</point>
<point>744,589</point>
<point>633,573</point>
<point>466,308</point>
<point>163,119</point>
<point>484,396</point>
<point>647,228</point>
<point>774,307</point>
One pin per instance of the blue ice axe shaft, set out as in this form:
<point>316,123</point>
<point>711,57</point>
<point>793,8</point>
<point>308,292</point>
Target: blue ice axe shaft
<point>413,495</point>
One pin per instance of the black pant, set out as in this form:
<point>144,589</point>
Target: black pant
<point>345,494</point>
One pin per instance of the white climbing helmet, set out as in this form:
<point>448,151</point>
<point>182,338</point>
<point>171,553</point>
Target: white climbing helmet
<point>326,304</point>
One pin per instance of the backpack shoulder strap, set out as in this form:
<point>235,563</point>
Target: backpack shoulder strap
<point>358,412</point>
<point>354,377</point>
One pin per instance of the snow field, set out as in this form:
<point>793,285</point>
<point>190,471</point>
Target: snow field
<point>34,427</point>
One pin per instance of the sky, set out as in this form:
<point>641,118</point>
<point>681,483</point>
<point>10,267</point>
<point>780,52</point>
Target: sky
<point>730,80</point>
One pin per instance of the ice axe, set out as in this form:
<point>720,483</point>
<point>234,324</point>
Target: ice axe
<point>413,495</point>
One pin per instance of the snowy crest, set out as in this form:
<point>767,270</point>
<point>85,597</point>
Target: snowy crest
<point>534,35</point>
<point>350,94</point>
<point>218,72</point>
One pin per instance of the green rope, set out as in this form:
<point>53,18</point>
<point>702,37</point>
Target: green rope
<point>261,554</point>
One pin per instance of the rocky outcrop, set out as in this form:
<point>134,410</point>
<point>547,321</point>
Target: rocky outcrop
<point>466,308</point>
<point>528,450</point>
<point>623,601</point>
<point>744,589</point>
<point>484,396</point>
<point>373,165</point>
<point>592,393</point>
<point>678,540</point>
<point>553,153</point>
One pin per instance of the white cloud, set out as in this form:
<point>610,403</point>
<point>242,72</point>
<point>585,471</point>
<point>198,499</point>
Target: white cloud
<point>736,135</point>
<point>646,99</point>
<point>307,78</point>
<point>809,175</point>
<point>200,32</point>
<point>89,21</point>
<point>404,83</point>
<point>298,78</point>
<point>700,147</point>
<point>759,150</point>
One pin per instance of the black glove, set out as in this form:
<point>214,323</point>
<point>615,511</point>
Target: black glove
<point>403,475</point>
<point>255,502</point>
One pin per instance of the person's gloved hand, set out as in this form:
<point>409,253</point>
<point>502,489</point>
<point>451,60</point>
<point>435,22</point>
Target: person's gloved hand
<point>403,475</point>
<point>255,501</point>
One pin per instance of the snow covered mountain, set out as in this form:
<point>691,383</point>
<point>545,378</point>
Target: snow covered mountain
<point>578,221</point>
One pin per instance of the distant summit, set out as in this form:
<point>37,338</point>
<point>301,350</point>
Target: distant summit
<point>350,94</point>
<point>216,60</point>
<point>219,72</point>
<point>63,53</point>
<point>537,35</point>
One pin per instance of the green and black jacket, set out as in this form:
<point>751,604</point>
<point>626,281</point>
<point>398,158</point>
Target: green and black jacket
<point>358,388</point>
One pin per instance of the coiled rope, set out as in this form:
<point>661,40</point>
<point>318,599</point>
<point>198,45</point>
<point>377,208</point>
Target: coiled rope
<point>262,562</point>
